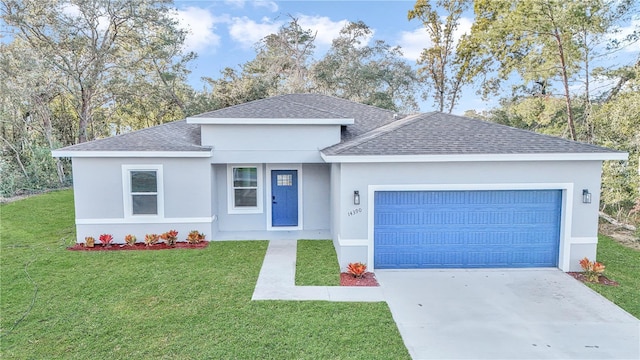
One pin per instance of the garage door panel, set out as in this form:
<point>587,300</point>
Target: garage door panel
<point>518,228</point>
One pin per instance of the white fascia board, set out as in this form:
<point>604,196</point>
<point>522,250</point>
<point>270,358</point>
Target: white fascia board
<point>132,154</point>
<point>267,121</point>
<point>472,157</point>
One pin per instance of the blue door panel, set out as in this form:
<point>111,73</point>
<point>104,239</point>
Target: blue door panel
<point>284,198</point>
<point>466,229</point>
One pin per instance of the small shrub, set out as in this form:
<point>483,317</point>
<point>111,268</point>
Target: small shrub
<point>151,239</point>
<point>592,269</point>
<point>105,239</point>
<point>130,240</point>
<point>89,241</point>
<point>195,237</point>
<point>357,269</point>
<point>170,237</point>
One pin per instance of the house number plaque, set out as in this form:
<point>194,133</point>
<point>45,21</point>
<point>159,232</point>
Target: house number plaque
<point>354,212</point>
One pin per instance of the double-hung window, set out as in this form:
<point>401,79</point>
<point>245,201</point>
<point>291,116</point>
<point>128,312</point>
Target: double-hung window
<point>143,190</point>
<point>245,192</point>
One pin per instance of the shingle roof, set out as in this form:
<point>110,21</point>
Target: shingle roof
<point>445,134</point>
<point>309,106</point>
<point>173,136</point>
<point>374,132</point>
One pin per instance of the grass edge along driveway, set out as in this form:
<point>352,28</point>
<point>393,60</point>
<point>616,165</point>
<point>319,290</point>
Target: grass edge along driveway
<point>173,304</point>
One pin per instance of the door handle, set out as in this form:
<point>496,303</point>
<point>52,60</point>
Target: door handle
<point>273,200</point>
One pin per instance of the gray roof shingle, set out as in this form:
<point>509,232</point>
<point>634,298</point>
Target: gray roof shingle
<point>173,136</point>
<point>446,134</point>
<point>374,131</point>
<point>309,106</point>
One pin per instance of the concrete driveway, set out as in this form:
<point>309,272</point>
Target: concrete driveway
<point>506,314</point>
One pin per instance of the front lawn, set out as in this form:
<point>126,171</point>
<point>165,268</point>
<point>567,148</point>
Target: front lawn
<point>317,263</point>
<point>170,304</point>
<point>622,265</point>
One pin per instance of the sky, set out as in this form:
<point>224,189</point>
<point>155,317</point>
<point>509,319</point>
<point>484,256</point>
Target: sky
<point>223,34</point>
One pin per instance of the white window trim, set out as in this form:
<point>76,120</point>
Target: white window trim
<point>126,191</point>
<point>298,168</point>
<point>231,208</point>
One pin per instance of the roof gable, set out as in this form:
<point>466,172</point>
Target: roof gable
<point>446,134</point>
<point>360,118</point>
<point>177,136</point>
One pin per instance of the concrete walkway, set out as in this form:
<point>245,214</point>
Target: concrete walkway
<point>476,314</point>
<point>277,280</point>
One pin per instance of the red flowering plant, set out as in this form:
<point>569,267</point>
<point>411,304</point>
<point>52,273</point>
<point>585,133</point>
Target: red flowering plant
<point>170,237</point>
<point>592,269</point>
<point>105,239</point>
<point>357,269</point>
<point>151,239</point>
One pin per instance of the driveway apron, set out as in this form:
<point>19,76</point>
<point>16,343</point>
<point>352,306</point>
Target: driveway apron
<point>506,314</point>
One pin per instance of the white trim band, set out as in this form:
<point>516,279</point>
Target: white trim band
<point>584,240</point>
<point>353,242</point>
<point>131,154</point>
<point>145,220</point>
<point>473,157</point>
<point>267,121</point>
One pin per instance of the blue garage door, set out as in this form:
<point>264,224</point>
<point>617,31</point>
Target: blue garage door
<point>466,229</point>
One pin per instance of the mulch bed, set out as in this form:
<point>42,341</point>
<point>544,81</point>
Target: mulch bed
<point>368,279</point>
<point>602,280</point>
<point>139,246</point>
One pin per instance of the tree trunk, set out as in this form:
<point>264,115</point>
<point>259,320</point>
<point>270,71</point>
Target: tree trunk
<point>565,76</point>
<point>85,115</point>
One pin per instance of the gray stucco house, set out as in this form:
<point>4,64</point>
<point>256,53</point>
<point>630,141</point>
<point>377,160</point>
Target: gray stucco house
<point>423,191</point>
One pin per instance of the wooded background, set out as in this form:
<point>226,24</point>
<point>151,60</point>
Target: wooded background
<point>74,71</point>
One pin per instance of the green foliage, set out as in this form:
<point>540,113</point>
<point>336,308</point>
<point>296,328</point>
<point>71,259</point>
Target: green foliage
<point>443,69</point>
<point>196,303</point>
<point>370,74</point>
<point>317,263</point>
<point>623,266</point>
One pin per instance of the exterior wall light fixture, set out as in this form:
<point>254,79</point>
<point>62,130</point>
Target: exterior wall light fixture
<point>356,197</point>
<point>586,196</point>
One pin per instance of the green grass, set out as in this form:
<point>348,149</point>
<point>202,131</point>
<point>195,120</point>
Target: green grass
<point>177,304</point>
<point>317,264</point>
<point>622,265</point>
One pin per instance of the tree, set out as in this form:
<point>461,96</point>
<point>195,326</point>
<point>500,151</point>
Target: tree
<point>370,74</point>
<point>617,125</point>
<point>28,125</point>
<point>443,69</point>
<point>541,41</point>
<point>97,46</point>
<point>283,58</point>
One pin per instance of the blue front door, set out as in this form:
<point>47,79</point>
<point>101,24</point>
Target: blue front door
<point>284,198</point>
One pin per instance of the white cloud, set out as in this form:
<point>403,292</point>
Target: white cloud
<point>248,32</point>
<point>325,29</point>
<point>235,3</point>
<point>413,42</point>
<point>269,5</point>
<point>622,32</point>
<point>201,25</point>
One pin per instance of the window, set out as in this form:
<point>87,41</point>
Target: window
<point>144,193</point>
<point>284,180</point>
<point>245,195</point>
<point>142,190</point>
